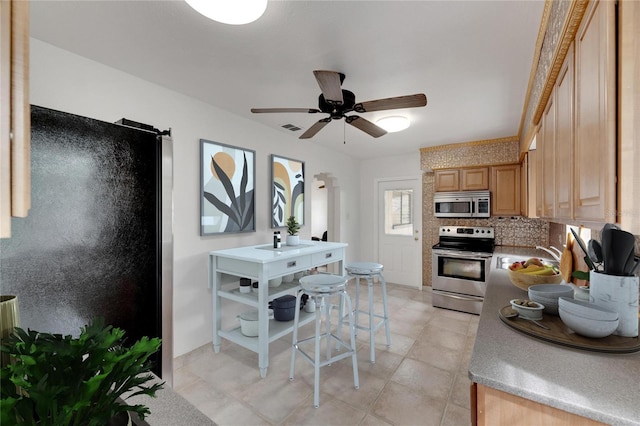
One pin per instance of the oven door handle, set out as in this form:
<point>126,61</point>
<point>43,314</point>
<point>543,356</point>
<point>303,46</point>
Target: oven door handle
<point>455,296</point>
<point>463,256</point>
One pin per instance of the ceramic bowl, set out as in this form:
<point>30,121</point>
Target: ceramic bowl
<point>586,310</point>
<point>587,327</point>
<point>275,282</point>
<point>528,312</point>
<point>523,280</point>
<point>548,295</point>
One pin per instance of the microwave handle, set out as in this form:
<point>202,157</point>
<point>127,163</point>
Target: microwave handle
<point>473,206</point>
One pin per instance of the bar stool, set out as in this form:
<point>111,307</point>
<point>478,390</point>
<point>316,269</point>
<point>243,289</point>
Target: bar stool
<point>367,271</point>
<point>321,287</point>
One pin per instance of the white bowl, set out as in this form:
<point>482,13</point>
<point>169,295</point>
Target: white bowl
<point>275,282</point>
<point>587,327</point>
<point>249,323</point>
<point>548,295</point>
<point>287,278</point>
<point>586,310</point>
<point>528,312</point>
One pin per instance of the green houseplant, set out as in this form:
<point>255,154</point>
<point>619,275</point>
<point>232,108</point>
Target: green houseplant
<point>61,380</point>
<point>292,229</point>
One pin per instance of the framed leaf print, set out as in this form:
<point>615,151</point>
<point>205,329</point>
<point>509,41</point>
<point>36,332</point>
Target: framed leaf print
<point>287,190</point>
<point>227,176</point>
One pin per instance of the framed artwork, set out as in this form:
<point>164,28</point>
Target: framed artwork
<point>287,190</point>
<point>228,177</point>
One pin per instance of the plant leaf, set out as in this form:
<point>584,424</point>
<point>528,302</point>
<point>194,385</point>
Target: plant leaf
<point>221,206</point>
<point>243,185</point>
<point>228,186</point>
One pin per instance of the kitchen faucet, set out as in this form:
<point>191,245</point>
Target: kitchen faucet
<point>555,255</point>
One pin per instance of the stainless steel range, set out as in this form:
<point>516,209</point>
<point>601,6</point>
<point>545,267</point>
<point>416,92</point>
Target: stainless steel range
<point>460,268</point>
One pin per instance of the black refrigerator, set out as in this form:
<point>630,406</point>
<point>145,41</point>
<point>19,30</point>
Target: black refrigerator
<point>97,240</point>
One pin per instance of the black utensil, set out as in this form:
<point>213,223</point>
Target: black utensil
<point>587,260</point>
<point>595,252</point>
<point>621,246</point>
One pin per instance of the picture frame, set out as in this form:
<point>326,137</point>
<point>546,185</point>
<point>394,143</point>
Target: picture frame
<point>227,188</point>
<point>287,190</point>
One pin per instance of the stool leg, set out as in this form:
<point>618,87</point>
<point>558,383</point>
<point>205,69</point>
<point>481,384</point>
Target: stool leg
<point>357,309</point>
<point>384,306</point>
<point>340,321</point>
<point>352,334</point>
<point>328,328</point>
<point>294,345</point>
<point>372,343</point>
<point>316,364</point>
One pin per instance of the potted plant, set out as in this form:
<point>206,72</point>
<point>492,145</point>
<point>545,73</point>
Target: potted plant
<point>292,229</point>
<point>61,380</point>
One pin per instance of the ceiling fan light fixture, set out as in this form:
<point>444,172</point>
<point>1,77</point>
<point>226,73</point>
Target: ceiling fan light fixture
<point>394,123</point>
<point>233,12</point>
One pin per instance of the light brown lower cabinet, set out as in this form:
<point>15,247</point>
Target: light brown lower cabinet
<point>493,407</point>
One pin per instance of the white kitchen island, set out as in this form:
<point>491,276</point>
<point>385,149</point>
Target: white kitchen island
<point>262,263</point>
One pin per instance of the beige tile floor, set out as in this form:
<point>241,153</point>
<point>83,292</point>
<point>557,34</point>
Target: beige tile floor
<point>420,380</point>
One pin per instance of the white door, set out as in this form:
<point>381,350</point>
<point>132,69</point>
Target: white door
<point>399,223</point>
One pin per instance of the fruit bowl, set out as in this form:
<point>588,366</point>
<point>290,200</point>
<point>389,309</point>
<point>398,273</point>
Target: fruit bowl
<point>524,280</point>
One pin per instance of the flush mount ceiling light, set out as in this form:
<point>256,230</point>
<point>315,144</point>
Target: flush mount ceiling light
<point>394,123</point>
<point>234,12</point>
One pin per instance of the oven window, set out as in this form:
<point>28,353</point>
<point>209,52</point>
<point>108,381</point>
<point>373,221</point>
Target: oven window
<point>454,267</point>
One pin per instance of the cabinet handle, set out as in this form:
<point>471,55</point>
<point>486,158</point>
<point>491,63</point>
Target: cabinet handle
<point>328,255</point>
<point>291,264</point>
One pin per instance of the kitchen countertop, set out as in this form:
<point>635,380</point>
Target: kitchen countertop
<point>600,386</point>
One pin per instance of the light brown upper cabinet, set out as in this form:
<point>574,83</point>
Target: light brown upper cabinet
<point>463,179</point>
<point>505,190</point>
<point>594,192</point>
<point>474,179</point>
<point>629,106</point>
<point>564,139</point>
<point>524,185</point>
<point>447,180</point>
<point>546,165</point>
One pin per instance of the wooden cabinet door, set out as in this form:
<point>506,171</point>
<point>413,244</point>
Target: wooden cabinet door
<point>505,190</point>
<point>494,407</point>
<point>524,185</point>
<point>564,140</point>
<point>547,157</point>
<point>447,180</point>
<point>595,114</point>
<point>474,179</point>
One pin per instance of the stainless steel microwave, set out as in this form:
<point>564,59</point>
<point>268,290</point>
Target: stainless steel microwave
<point>462,204</point>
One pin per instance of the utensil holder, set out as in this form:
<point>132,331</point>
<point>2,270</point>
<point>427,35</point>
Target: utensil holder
<point>619,294</point>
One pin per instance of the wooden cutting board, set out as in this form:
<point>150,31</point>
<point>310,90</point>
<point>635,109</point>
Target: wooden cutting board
<point>566,260</point>
<point>562,335</point>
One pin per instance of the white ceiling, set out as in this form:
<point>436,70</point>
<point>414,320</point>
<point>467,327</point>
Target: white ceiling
<point>472,59</point>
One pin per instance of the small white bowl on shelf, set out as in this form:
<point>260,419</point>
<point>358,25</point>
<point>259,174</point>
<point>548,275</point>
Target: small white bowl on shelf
<point>275,282</point>
<point>529,310</point>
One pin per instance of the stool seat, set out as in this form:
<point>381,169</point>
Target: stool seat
<point>364,268</point>
<point>368,271</point>
<point>321,287</point>
<point>323,283</point>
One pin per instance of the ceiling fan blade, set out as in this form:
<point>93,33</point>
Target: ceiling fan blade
<point>330,84</point>
<point>263,110</point>
<point>409,101</point>
<point>366,126</point>
<point>311,131</point>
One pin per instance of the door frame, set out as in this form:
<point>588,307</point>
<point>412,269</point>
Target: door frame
<point>417,217</point>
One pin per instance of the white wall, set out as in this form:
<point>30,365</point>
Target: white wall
<point>63,81</point>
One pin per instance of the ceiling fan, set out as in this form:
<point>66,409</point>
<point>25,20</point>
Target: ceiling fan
<point>336,101</point>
